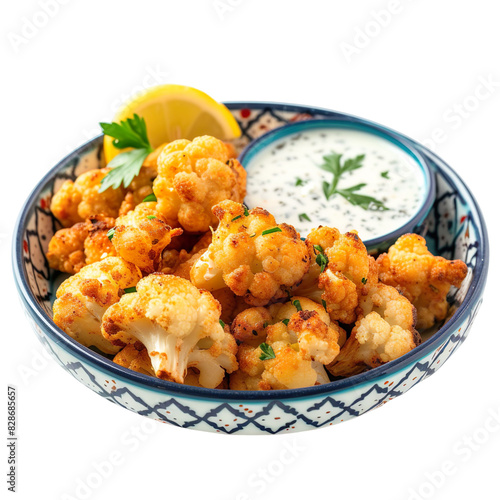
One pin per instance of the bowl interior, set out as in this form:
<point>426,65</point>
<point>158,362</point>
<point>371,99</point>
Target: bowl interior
<point>454,227</point>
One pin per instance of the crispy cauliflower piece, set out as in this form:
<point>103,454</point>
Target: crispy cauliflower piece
<point>83,298</point>
<point>347,269</point>
<point>250,254</point>
<point>302,338</point>
<point>179,326</point>
<point>142,184</point>
<point>76,201</point>
<point>322,237</point>
<point>135,357</point>
<point>141,235</point>
<point>384,331</point>
<point>84,243</point>
<point>422,277</point>
<point>350,269</point>
<point>140,187</point>
<point>180,262</point>
<point>66,248</point>
<point>193,176</point>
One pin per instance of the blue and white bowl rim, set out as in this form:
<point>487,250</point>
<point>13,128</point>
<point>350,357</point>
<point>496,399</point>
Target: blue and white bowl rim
<point>90,357</point>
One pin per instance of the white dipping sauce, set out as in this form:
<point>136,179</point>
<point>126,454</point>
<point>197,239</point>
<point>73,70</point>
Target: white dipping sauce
<point>391,176</point>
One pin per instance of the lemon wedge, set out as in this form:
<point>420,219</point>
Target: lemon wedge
<point>176,112</point>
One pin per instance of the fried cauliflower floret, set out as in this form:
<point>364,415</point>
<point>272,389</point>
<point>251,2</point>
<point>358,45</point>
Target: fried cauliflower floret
<point>141,235</point>
<point>140,187</point>
<point>180,262</point>
<point>83,298</point>
<point>300,336</point>
<point>81,244</point>
<point>422,277</point>
<point>250,254</point>
<point>66,248</point>
<point>135,357</point>
<point>350,269</point>
<point>317,241</point>
<point>142,184</point>
<point>78,200</point>
<point>179,326</point>
<point>193,176</point>
<point>384,331</point>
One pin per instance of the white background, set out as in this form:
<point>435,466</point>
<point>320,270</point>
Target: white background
<point>413,74</point>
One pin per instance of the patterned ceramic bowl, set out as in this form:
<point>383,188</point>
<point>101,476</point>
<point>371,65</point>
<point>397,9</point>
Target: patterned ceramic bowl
<point>456,229</point>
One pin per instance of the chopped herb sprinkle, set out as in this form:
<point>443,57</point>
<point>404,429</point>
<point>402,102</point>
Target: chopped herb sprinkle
<point>111,233</point>
<point>150,197</point>
<point>297,305</point>
<point>132,289</point>
<point>272,230</point>
<point>267,352</point>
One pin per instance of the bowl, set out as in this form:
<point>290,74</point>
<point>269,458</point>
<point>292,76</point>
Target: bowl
<point>294,151</point>
<point>456,229</point>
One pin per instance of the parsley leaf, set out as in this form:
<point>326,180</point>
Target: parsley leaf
<point>125,167</point>
<point>129,133</point>
<point>332,163</point>
<point>364,201</point>
<point>267,352</point>
<point>385,174</point>
<point>303,217</point>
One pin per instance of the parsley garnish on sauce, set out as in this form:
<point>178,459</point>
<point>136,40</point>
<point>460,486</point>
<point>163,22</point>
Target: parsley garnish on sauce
<point>332,163</point>
<point>129,133</point>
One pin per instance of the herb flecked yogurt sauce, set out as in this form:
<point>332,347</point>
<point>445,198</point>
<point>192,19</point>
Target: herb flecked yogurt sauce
<point>289,178</point>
